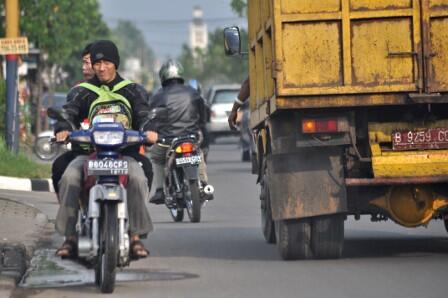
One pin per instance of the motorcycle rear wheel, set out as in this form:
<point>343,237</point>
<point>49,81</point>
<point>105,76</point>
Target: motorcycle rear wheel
<point>193,201</point>
<point>105,270</point>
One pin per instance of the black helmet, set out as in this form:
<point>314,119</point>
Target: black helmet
<point>170,70</point>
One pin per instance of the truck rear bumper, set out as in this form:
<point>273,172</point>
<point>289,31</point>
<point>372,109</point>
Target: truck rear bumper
<point>395,181</point>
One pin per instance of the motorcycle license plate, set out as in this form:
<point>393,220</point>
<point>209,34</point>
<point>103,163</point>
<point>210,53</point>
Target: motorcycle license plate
<point>193,160</point>
<point>420,139</point>
<point>115,167</point>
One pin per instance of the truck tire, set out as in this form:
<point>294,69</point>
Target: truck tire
<point>327,236</point>
<point>267,224</point>
<point>294,238</point>
<point>446,224</point>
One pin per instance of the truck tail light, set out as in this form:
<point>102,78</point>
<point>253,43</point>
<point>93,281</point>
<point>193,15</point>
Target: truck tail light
<point>327,125</point>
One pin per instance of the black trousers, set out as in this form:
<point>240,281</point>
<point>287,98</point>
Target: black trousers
<point>61,163</point>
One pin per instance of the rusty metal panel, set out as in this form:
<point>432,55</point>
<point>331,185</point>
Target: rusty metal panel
<point>379,52</point>
<point>379,4</point>
<point>310,6</point>
<point>347,46</point>
<point>307,183</point>
<point>435,21</point>
<point>311,63</point>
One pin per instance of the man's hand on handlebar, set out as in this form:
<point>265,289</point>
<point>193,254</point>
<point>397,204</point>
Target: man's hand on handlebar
<point>62,136</point>
<point>152,137</point>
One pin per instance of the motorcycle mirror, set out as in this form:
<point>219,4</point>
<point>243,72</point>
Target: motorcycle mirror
<point>61,115</point>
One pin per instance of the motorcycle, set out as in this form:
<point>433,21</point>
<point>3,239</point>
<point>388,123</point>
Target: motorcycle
<point>47,150</point>
<point>103,226</point>
<point>182,188</point>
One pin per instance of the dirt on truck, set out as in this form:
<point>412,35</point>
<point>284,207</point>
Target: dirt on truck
<point>349,108</point>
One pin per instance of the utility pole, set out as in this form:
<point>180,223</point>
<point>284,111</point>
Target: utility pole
<point>12,109</point>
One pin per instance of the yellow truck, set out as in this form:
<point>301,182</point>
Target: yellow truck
<point>349,108</point>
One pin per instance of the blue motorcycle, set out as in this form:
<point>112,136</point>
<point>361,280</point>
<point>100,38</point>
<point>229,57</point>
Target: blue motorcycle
<point>103,225</point>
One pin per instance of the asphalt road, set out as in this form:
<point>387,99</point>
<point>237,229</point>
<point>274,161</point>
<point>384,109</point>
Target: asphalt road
<point>225,255</point>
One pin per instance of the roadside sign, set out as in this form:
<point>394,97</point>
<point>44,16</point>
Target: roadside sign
<point>11,46</point>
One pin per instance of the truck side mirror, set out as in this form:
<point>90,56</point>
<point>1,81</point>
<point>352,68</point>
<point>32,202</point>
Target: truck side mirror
<point>232,41</point>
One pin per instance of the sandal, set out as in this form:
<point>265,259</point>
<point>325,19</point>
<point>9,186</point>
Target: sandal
<point>138,250</point>
<point>67,250</point>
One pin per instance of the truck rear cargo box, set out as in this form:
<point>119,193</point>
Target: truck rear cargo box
<point>308,53</point>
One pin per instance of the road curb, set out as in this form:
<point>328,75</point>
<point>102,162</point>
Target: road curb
<point>26,184</point>
<point>16,252</point>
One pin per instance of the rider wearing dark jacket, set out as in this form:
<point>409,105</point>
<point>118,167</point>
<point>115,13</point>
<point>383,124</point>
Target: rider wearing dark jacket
<point>186,110</point>
<point>186,115</point>
<point>106,95</point>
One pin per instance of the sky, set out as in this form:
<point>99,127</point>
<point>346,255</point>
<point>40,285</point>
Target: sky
<point>165,23</point>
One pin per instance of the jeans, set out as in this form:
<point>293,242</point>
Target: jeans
<point>70,187</point>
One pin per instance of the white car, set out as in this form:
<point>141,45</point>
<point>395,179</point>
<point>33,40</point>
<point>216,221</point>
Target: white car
<point>220,100</point>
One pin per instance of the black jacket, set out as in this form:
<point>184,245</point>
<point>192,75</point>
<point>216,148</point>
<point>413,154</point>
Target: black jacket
<point>79,100</point>
<point>186,110</point>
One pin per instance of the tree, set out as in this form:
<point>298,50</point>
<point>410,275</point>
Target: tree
<point>239,6</point>
<point>212,66</point>
<point>60,29</point>
<point>131,42</point>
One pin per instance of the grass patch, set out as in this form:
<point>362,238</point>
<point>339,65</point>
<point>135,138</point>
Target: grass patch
<point>19,165</point>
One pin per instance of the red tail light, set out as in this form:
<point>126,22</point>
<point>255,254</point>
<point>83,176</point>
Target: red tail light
<point>185,148</point>
<point>328,125</point>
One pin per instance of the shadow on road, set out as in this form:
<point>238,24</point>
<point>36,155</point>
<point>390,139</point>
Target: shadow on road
<point>248,244</point>
<point>393,247</point>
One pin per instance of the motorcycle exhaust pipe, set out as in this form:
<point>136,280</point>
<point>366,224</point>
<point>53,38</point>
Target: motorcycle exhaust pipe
<point>209,189</point>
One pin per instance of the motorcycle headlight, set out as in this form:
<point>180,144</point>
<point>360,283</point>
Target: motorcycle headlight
<point>108,137</point>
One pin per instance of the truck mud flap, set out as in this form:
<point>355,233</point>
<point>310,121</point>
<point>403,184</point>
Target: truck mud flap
<point>309,182</point>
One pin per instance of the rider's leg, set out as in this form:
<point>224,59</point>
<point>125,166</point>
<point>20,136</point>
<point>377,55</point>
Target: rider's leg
<point>158,157</point>
<point>203,170</point>
<point>70,187</point>
<point>67,216</point>
<point>137,191</point>
<point>140,223</point>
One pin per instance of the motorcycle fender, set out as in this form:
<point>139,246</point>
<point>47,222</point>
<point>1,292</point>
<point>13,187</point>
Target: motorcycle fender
<point>94,206</point>
<point>191,172</point>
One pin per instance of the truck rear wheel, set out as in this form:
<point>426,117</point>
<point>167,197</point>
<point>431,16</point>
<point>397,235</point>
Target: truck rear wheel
<point>294,238</point>
<point>327,236</point>
<point>267,223</point>
<point>446,224</point>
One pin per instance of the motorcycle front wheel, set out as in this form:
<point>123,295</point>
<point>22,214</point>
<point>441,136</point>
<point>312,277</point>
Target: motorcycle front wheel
<point>177,213</point>
<point>105,270</point>
<point>44,149</point>
<point>193,201</point>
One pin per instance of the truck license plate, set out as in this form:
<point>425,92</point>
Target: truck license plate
<point>193,160</point>
<point>420,139</point>
<point>107,167</point>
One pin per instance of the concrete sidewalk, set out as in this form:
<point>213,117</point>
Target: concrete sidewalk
<point>21,227</point>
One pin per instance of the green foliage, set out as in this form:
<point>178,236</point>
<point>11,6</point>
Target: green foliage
<point>20,165</point>
<point>61,29</point>
<point>239,6</point>
<point>213,67</point>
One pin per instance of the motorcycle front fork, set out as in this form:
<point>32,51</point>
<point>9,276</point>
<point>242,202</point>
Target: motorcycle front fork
<point>89,238</point>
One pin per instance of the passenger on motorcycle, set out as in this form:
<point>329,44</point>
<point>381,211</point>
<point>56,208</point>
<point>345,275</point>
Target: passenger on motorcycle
<point>61,162</point>
<point>186,115</point>
<point>107,93</point>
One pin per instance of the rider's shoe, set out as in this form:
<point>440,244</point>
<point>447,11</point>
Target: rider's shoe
<point>158,198</point>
